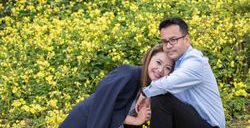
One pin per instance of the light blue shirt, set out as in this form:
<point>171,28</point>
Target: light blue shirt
<point>193,82</point>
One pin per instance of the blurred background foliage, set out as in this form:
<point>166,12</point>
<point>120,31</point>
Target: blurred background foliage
<point>53,53</point>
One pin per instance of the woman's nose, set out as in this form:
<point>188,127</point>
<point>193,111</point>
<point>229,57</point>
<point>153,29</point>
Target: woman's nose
<point>161,69</point>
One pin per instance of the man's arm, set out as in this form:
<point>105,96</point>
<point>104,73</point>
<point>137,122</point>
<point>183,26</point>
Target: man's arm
<point>187,75</point>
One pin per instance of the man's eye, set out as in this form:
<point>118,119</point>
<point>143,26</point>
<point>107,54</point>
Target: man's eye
<point>165,41</point>
<point>172,40</point>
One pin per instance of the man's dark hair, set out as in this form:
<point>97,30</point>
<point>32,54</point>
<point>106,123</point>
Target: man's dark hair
<point>175,21</point>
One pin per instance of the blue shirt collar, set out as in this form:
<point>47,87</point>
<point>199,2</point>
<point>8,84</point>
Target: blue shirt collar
<point>177,62</point>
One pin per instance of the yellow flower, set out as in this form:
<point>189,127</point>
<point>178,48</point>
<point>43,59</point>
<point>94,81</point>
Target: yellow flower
<point>53,103</point>
<point>42,1</point>
<point>133,7</point>
<point>153,29</point>
<point>241,92</point>
<point>221,85</point>
<point>40,74</point>
<point>31,8</point>
<point>22,123</point>
<point>25,108</point>
<point>35,108</point>
<point>32,110</point>
<point>19,102</point>
<point>15,89</point>
<point>232,64</point>
<point>49,78</point>
<point>53,119</point>
<point>219,63</point>
<point>239,85</point>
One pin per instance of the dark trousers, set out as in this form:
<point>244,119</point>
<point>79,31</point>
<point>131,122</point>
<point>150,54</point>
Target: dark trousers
<point>169,112</point>
<point>131,126</point>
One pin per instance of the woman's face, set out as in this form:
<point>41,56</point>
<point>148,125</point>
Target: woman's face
<point>160,65</point>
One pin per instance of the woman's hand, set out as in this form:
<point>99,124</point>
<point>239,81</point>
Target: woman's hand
<point>144,113</point>
<point>139,102</point>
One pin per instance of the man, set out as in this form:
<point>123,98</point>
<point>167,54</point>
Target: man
<point>189,96</point>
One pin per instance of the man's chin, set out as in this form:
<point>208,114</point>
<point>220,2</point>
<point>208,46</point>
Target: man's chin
<point>172,56</point>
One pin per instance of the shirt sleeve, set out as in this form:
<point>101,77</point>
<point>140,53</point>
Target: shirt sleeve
<point>186,75</point>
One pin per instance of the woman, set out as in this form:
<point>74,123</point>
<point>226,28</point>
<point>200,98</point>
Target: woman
<point>156,64</point>
<point>109,106</point>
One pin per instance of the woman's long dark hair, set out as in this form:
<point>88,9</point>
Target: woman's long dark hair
<point>145,80</point>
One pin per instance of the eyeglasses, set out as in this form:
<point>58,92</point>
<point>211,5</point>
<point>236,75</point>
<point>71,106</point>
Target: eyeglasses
<point>171,41</point>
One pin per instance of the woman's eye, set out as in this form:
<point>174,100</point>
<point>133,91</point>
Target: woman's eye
<point>158,62</point>
<point>168,68</point>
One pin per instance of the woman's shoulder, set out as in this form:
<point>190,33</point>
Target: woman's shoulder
<point>129,68</point>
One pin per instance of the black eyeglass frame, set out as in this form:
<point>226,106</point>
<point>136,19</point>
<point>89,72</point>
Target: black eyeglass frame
<point>172,41</point>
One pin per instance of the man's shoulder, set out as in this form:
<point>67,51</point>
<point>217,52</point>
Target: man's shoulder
<point>196,52</point>
<point>194,55</point>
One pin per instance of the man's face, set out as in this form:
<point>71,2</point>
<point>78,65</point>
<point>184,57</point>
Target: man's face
<point>174,42</point>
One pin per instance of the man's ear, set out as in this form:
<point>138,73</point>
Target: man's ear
<point>187,39</point>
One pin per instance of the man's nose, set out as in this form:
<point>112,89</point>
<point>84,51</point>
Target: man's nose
<point>168,45</point>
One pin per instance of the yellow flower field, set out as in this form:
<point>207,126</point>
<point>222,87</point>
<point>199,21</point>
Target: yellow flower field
<point>53,53</point>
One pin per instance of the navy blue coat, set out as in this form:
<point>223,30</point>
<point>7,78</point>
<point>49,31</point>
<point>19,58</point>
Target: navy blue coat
<point>110,104</point>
